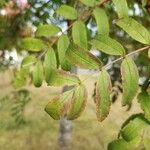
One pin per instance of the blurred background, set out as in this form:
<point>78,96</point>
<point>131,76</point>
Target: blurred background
<point>24,125</point>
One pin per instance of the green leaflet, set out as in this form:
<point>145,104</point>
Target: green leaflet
<point>78,103</point>
<point>82,58</point>
<point>135,30</point>
<point>50,63</point>
<point>90,3</point>
<point>149,53</point>
<point>62,46</point>
<point>67,12</point>
<point>47,30</point>
<point>29,60</point>
<point>21,77</point>
<point>65,65</point>
<point>102,21</point>
<point>108,46</point>
<point>130,79</point>
<point>121,7</point>
<point>103,91</point>
<point>38,74</point>
<point>59,106</point>
<point>119,144</point>
<point>144,100</point>
<point>134,128</point>
<point>79,34</point>
<point>33,44</point>
<point>60,77</point>
<point>147,143</point>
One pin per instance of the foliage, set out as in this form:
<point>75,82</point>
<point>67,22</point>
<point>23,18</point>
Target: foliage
<point>52,46</point>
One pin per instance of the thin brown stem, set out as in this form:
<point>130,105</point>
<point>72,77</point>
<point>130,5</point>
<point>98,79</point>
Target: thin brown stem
<point>132,53</point>
<point>113,62</point>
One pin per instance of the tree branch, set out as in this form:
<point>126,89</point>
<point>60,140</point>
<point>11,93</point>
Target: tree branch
<point>132,53</point>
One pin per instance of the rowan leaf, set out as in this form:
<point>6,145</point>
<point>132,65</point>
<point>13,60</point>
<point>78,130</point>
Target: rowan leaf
<point>144,100</point>
<point>47,30</point>
<point>60,77</point>
<point>102,21</point>
<point>67,12</point>
<point>59,106</point>
<point>78,102</point>
<point>38,74</point>
<point>103,91</point>
<point>33,44</point>
<point>50,63</point>
<point>29,60</point>
<point>121,8</point>
<point>108,46</point>
<point>66,65</point>
<point>79,34</point>
<point>134,128</point>
<point>130,79</point>
<point>135,30</point>
<point>82,58</point>
<point>119,144</point>
<point>62,46</point>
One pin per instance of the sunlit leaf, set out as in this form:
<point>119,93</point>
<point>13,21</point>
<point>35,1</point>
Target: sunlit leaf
<point>38,74</point>
<point>66,65</point>
<point>79,34</point>
<point>144,100</point>
<point>130,79</point>
<point>121,7</point>
<point>47,30</point>
<point>78,103</point>
<point>103,91</point>
<point>59,106</point>
<point>50,63</point>
<point>33,44</point>
<point>82,58</point>
<point>108,45</point>
<point>62,46</point>
<point>119,144</point>
<point>67,12</point>
<point>134,128</point>
<point>29,60</point>
<point>135,30</point>
<point>102,21</point>
<point>60,77</point>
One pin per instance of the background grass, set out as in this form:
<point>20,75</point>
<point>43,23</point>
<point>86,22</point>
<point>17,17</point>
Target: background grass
<point>41,132</point>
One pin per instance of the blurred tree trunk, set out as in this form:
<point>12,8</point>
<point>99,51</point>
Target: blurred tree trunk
<point>65,131</point>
